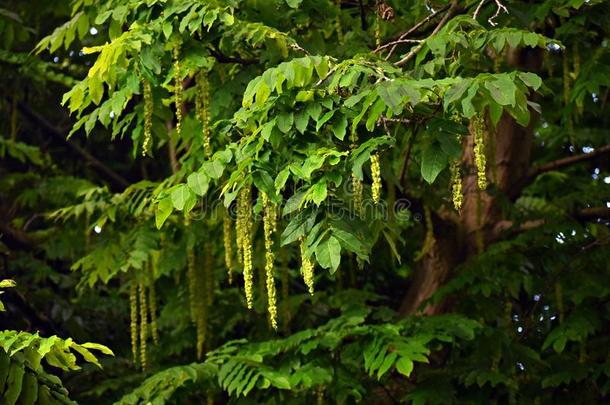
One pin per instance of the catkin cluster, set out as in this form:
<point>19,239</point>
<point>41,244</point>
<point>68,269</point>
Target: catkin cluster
<point>243,227</point>
<point>203,110</point>
<point>357,190</point>
<point>478,128</point>
<point>133,316</point>
<point>306,268</point>
<point>270,227</point>
<point>152,301</point>
<point>376,174</point>
<point>148,112</point>
<point>456,185</point>
<point>198,302</point>
<point>228,247</point>
<point>143,323</point>
<point>177,89</point>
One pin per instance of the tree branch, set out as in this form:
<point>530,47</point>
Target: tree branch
<point>48,127</point>
<point>222,58</point>
<point>567,161</point>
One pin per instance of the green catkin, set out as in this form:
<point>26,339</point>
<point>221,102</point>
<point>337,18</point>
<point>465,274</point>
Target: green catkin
<point>192,282</point>
<point>478,129</point>
<point>338,26</point>
<point>307,268</point>
<point>357,189</point>
<point>203,110</point>
<point>269,225</point>
<point>148,111</point>
<point>376,174</point>
<point>209,274</point>
<point>143,323</point>
<point>244,238</point>
<point>152,301</point>
<point>204,284</point>
<point>177,89</point>
<point>133,315</point>
<point>456,185</point>
<point>228,248</point>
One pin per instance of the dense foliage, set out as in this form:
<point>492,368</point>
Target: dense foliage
<point>298,201</point>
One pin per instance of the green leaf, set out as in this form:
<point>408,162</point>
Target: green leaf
<point>163,210</point>
<point>502,89</point>
<point>404,365</point>
<point>213,168</point>
<point>179,196</point>
<point>530,79</point>
<point>285,121</point>
<point>328,254</point>
<point>433,161</point>
<point>198,182</point>
<point>339,127</point>
<point>319,192</point>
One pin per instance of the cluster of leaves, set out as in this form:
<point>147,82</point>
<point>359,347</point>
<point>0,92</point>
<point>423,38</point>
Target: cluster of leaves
<point>299,119</point>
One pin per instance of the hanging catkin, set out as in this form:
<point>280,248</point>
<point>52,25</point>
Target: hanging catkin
<point>228,248</point>
<point>148,111</point>
<point>152,301</point>
<point>376,174</point>
<point>203,285</point>
<point>192,280</point>
<point>177,89</point>
<point>269,224</point>
<point>244,240</point>
<point>456,185</point>
<point>203,110</point>
<point>306,268</point>
<point>143,323</point>
<point>478,128</point>
<point>133,316</point>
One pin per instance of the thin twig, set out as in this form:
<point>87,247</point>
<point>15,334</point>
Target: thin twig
<point>559,163</point>
<point>416,27</point>
<point>398,42</point>
<point>500,8</point>
<point>450,13</point>
<point>478,9</point>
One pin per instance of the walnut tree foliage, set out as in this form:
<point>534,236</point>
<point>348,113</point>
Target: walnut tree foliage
<point>293,201</point>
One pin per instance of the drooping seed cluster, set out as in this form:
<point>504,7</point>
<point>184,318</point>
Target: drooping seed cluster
<point>139,309</point>
<point>152,301</point>
<point>143,323</point>
<point>306,268</point>
<point>357,190</point>
<point>270,227</point>
<point>243,227</point>
<point>228,247</point>
<point>478,128</point>
<point>148,112</point>
<point>198,296</point>
<point>177,89</point>
<point>203,110</point>
<point>133,316</point>
<point>456,185</point>
<point>376,174</point>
